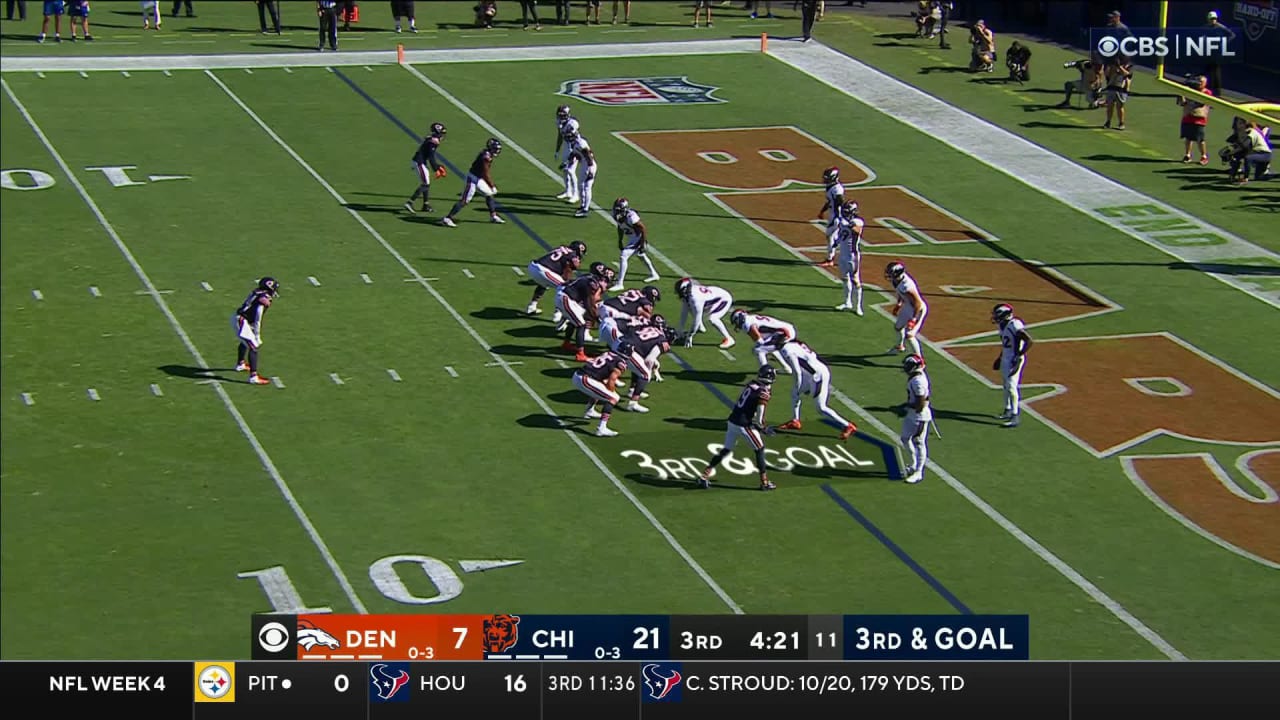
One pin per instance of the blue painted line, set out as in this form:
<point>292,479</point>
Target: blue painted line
<point>893,547</point>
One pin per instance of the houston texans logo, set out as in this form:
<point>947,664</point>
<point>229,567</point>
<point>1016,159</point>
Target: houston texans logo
<point>386,684</point>
<point>659,685</point>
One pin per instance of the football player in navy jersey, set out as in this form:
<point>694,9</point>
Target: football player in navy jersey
<point>578,302</point>
<point>425,165</point>
<point>553,270</point>
<point>746,420</point>
<point>479,178</point>
<point>247,322</point>
<point>598,380</point>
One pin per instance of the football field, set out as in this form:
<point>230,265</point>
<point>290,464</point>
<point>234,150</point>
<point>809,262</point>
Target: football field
<point>421,447</point>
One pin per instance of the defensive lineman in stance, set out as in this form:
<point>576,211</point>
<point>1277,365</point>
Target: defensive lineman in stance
<point>1014,344</point>
<point>701,300</point>
<point>769,334</point>
<point>247,322</point>
<point>915,426</point>
<point>746,420</point>
<point>909,311</point>
<point>813,378</point>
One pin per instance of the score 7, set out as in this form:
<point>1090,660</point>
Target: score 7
<point>461,632</point>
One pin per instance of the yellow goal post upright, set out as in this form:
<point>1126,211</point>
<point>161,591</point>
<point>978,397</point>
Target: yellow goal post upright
<point>1266,113</point>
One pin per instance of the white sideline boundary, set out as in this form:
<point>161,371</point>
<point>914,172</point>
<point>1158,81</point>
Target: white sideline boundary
<point>498,361</point>
<point>163,305</point>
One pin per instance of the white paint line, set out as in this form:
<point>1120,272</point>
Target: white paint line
<point>468,273</point>
<point>93,394</point>
<point>573,436</point>
<point>449,369</point>
<point>561,363</point>
<point>421,279</point>
<point>155,390</point>
<point>395,376</point>
<point>84,74</point>
<point>94,291</point>
<point>517,270</point>
<point>367,280</point>
<point>181,332</point>
<point>366,67</point>
<point>311,279</point>
<point>503,363</point>
<point>28,400</point>
<point>330,69</point>
<point>153,292</point>
<point>40,75</point>
<point>207,287</point>
<point>168,74</point>
<point>336,380</point>
<point>277,382</point>
<point>728,354</point>
<point>288,69</point>
<point>247,70</point>
<point>37,294</point>
<point>124,73</point>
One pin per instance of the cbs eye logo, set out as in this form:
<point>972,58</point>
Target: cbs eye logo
<point>273,637</point>
<point>1108,46</point>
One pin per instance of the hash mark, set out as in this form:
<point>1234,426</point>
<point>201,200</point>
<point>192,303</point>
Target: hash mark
<point>207,287</point>
<point>125,73</point>
<point>84,74</point>
<point>367,280</point>
<point>93,394</point>
<point>516,270</point>
<point>277,382</point>
<point>28,400</point>
<point>155,390</point>
<point>468,273</point>
<point>562,363</point>
<point>168,74</point>
<point>40,75</point>
<point>503,363</point>
<point>728,354</point>
<point>247,70</point>
<point>288,70</point>
<point>37,294</point>
<point>311,279</point>
<point>366,67</point>
<point>394,375</point>
<point>336,380</point>
<point>449,369</point>
<point>94,291</point>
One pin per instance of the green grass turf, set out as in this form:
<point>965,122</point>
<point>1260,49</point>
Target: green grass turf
<point>460,468</point>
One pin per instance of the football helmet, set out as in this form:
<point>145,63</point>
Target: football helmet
<point>625,348</point>
<point>562,112</point>
<point>270,285</point>
<point>849,210</point>
<point>672,335</point>
<point>894,272</point>
<point>912,364</point>
<point>658,321</point>
<point>578,247</point>
<point>620,208</point>
<point>831,175</point>
<point>767,374</point>
<point>738,318</point>
<point>608,275</point>
<point>494,146</point>
<point>598,268</point>
<point>652,293</point>
<point>684,286</point>
<point>1001,313</point>
<point>438,130</point>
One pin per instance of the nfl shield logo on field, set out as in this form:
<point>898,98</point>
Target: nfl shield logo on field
<point>616,92</point>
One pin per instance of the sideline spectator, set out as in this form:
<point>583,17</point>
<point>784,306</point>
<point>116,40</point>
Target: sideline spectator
<point>562,12</point>
<point>327,12</point>
<point>1212,70</point>
<point>1119,75</point>
<point>698,7</point>
<point>593,5</point>
<point>983,55</point>
<point>150,12</point>
<point>808,13</point>
<point>1018,60</point>
<point>527,8</point>
<point>178,6</point>
<point>1090,84</point>
<point>1257,153</point>
<point>54,9</point>
<point>404,9</point>
<point>19,5</point>
<point>486,11</point>
<point>79,9</point>
<point>626,9</point>
<point>269,6</point>
<point>1195,116</point>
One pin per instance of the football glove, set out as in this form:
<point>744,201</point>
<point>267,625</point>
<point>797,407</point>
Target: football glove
<point>687,340</point>
<point>441,172</point>
<point>771,430</point>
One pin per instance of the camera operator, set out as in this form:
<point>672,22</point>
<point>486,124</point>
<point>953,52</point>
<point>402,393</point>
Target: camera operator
<point>983,54</point>
<point>1119,74</point>
<point>1018,60</point>
<point>1089,84</point>
<point>1195,116</point>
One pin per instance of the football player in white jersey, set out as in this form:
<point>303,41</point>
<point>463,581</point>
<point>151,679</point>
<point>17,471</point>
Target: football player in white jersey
<point>584,158</point>
<point>1014,344</point>
<point>633,238</point>
<point>849,242</point>
<point>769,334</point>
<point>909,311</point>
<point>566,127</point>
<point>833,200</point>
<point>703,301</point>
<point>813,378</point>
<point>915,426</point>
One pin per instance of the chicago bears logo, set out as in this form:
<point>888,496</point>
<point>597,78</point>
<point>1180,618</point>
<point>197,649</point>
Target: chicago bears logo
<point>387,681</point>
<point>500,633</point>
<point>660,682</point>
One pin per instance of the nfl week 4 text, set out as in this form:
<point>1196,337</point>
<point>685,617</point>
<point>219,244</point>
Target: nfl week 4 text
<point>785,460</point>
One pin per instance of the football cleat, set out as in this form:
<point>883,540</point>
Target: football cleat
<point>616,288</point>
<point>533,309</point>
<point>256,379</point>
<point>894,350</point>
<point>591,413</point>
<point>790,425</point>
<point>634,406</point>
<point>653,278</point>
<point>409,208</point>
<point>1012,423</point>
<point>580,213</point>
<point>243,366</point>
<point>448,222</point>
<point>727,343</point>
<point>848,430</point>
<point>563,196</point>
<point>914,478</point>
<point>767,484</point>
<point>605,432</point>
<point>568,346</point>
<point>496,220</point>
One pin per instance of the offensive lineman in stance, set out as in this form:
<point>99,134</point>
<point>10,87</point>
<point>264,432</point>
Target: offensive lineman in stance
<point>598,380</point>
<point>747,420</point>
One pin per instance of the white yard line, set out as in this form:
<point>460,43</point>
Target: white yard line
<point>573,436</point>
<point>181,332</point>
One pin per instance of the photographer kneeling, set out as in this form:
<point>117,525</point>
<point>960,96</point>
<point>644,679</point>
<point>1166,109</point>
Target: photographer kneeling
<point>1018,60</point>
<point>983,55</point>
<point>1089,84</point>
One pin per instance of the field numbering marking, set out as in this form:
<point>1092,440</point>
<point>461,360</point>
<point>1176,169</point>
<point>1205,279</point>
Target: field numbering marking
<point>268,464</point>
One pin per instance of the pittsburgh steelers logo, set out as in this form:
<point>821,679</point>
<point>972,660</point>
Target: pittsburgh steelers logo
<point>214,682</point>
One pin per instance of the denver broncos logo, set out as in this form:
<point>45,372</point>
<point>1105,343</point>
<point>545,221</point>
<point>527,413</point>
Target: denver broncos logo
<point>500,633</point>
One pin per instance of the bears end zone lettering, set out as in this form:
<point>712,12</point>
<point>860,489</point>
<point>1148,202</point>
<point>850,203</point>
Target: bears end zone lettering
<point>615,92</point>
